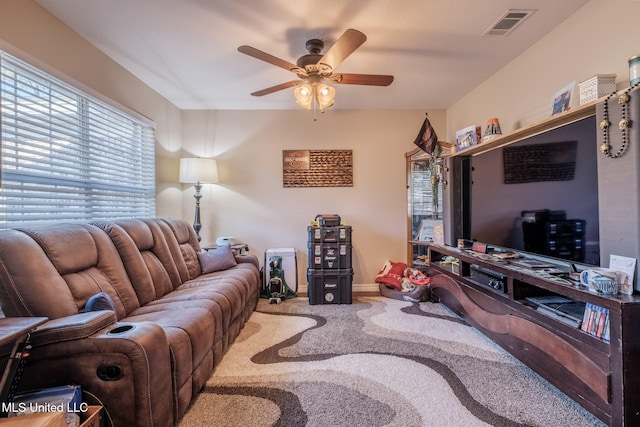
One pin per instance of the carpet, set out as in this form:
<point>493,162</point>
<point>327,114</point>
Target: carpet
<point>376,362</point>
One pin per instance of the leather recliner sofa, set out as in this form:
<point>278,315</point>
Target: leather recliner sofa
<point>146,360</point>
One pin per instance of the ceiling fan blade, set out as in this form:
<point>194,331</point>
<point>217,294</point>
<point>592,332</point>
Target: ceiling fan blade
<point>276,88</point>
<point>364,79</point>
<point>263,56</point>
<point>348,42</point>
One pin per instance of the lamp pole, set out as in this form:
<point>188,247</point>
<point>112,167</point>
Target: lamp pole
<point>198,171</point>
<point>196,221</point>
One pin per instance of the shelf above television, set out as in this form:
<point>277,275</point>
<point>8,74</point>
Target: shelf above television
<point>573,115</point>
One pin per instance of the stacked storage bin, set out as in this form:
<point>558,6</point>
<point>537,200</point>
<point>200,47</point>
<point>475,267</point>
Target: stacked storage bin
<point>550,233</point>
<point>565,239</point>
<point>330,272</point>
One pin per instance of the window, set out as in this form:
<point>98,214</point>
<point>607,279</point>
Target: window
<point>67,156</point>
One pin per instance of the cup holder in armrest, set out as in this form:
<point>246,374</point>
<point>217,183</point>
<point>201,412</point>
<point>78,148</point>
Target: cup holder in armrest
<point>120,329</point>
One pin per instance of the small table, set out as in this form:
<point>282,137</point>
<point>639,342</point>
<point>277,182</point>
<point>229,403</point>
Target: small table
<point>15,331</point>
<point>237,249</point>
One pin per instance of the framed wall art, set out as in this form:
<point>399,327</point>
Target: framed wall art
<point>317,168</point>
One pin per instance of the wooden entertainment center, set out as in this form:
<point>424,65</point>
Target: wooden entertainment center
<point>603,377</point>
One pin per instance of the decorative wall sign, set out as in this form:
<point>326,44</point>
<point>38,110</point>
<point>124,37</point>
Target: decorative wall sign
<point>295,159</point>
<point>317,168</point>
<point>540,162</point>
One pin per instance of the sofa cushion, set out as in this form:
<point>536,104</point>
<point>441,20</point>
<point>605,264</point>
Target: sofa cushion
<point>145,255</point>
<point>181,321</point>
<point>189,327</point>
<point>183,244</point>
<point>217,259</point>
<point>54,270</point>
<point>30,281</point>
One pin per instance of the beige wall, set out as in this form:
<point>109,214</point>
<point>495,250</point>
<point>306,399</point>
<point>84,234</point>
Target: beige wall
<point>597,39</point>
<point>251,204</point>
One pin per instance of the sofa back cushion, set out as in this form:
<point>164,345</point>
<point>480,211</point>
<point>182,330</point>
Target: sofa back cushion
<point>52,271</point>
<point>145,255</point>
<point>183,244</point>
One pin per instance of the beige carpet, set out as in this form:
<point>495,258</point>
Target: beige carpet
<point>376,362</point>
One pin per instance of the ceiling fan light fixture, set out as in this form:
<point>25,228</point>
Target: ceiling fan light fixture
<point>303,95</point>
<point>325,95</point>
<point>319,94</point>
<point>312,69</point>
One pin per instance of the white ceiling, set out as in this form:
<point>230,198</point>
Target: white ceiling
<point>187,49</point>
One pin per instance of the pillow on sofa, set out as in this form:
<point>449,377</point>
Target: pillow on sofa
<point>217,259</point>
<point>100,301</point>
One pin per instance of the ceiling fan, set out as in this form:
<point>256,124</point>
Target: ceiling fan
<point>314,68</point>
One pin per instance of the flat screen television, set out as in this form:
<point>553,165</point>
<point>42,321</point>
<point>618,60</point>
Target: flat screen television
<point>555,171</point>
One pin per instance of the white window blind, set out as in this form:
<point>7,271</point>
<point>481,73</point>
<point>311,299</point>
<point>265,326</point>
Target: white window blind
<point>67,156</point>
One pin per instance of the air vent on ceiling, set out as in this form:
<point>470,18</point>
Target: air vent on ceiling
<point>508,22</point>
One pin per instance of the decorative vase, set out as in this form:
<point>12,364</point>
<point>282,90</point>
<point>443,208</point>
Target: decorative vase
<point>492,130</point>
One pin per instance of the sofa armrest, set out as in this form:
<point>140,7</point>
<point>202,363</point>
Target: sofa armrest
<point>248,258</point>
<point>124,366</point>
<point>81,325</point>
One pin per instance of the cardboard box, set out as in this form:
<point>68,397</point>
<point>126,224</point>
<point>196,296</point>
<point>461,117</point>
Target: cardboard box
<point>92,417</point>
<point>64,399</point>
<point>37,419</point>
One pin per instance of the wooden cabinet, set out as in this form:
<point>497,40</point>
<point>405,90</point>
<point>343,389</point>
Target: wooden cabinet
<point>602,376</point>
<point>424,203</point>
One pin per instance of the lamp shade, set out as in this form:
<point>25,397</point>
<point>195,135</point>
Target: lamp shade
<point>198,170</point>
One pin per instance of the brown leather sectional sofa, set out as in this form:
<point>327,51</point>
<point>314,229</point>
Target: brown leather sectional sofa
<point>146,361</point>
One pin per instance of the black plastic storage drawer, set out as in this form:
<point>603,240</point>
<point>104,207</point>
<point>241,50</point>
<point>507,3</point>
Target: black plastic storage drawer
<point>569,228</point>
<point>329,255</point>
<point>329,286</point>
<point>572,249</point>
<point>337,234</point>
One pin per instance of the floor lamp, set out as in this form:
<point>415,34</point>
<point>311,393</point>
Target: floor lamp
<point>198,171</point>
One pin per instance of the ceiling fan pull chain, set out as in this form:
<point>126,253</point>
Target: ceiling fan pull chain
<point>315,109</point>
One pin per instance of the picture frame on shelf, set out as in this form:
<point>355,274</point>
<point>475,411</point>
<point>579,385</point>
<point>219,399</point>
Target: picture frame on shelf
<point>467,137</point>
<point>427,229</point>
<point>438,233</point>
<point>625,268</point>
<point>561,100</point>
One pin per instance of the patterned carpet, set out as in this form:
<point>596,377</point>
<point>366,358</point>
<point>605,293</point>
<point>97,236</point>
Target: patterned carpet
<point>376,362</point>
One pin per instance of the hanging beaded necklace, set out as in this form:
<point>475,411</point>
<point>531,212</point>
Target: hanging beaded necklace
<point>624,124</point>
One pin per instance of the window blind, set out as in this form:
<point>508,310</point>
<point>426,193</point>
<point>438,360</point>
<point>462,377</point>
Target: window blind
<point>67,156</point>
